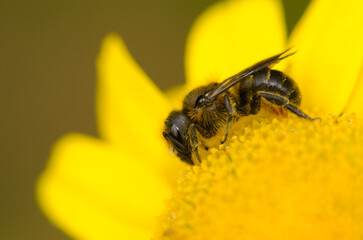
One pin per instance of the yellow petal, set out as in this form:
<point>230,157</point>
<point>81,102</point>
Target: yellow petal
<point>230,36</point>
<point>330,53</point>
<point>355,103</point>
<point>176,95</point>
<point>131,110</point>
<point>93,191</point>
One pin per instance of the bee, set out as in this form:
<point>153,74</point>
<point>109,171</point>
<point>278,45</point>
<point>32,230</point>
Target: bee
<point>209,108</point>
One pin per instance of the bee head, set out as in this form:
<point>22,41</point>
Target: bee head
<point>176,133</point>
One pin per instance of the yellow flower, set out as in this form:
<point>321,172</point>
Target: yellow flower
<point>115,187</point>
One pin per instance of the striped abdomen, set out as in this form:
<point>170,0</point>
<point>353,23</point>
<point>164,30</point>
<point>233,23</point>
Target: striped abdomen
<point>272,85</point>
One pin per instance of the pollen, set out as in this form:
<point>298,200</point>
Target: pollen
<point>286,178</point>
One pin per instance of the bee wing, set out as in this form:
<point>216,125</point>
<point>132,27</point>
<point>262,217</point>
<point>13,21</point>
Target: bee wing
<point>230,82</point>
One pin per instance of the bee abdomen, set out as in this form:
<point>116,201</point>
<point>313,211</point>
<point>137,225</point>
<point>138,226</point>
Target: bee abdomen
<point>276,82</point>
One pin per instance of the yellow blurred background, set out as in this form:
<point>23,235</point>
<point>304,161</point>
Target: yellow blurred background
<point>47,67</point>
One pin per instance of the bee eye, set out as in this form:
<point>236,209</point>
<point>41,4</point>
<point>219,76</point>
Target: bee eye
<point>174,131</point>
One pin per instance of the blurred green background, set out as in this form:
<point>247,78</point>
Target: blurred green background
<point>48,51</point>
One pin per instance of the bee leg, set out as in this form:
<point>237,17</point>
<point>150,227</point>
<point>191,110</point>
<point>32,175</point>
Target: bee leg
<point>194,144</point>
<point>284,102</point>
<point>231,110</point>
<point>299,112</point>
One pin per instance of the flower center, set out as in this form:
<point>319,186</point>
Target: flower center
<point>281,179</point>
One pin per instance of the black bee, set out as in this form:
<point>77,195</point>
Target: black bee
<point>208,108</point>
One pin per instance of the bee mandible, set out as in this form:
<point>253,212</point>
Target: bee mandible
<point>209,108</point>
